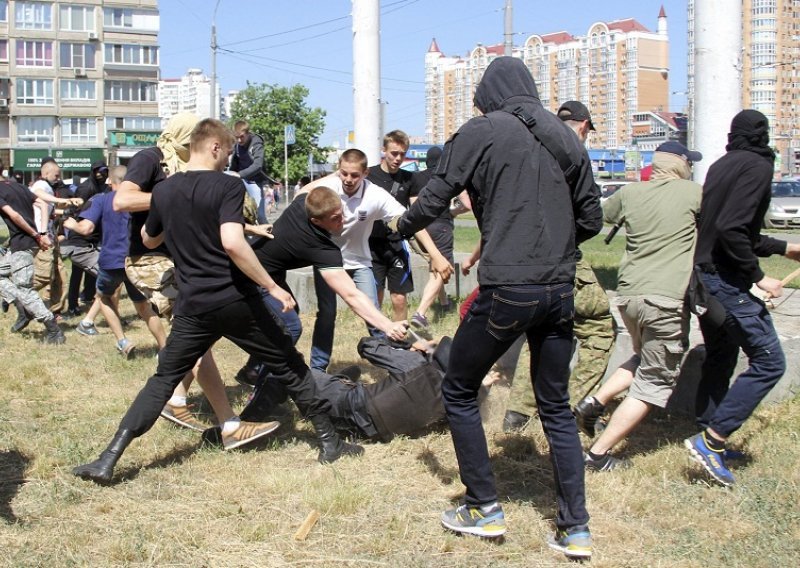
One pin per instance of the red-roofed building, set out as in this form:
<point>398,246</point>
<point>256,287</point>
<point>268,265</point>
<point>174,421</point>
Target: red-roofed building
<point>617,69</point>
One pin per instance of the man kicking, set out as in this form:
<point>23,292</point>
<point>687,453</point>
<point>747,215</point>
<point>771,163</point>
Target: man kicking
<point>198,213</point>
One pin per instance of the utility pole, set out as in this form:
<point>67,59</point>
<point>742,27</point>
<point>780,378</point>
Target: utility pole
<point>214,110</point>
<point>367,78</point>
<point>717,78</point>
<point>508,35</point>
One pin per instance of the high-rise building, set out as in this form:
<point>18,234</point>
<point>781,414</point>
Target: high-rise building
<point>617,69</point>
<point>78,80</point>
<point>190,93</point>
<point>770,71</point>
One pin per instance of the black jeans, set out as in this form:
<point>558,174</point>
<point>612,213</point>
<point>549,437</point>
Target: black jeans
<point>544,313</point>
<point>247,323</point>
<point>748,326</point>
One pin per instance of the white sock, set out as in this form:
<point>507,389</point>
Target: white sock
<point>487,508</point>
<point>231,424</point>
<point>177,401</point>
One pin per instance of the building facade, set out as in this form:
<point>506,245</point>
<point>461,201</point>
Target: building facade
<point>190,93</point>
<point>770,71</point>
<point>78,81</point>
<point>617,69</point>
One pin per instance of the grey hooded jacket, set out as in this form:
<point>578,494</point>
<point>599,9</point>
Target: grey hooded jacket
<point>530,219</point>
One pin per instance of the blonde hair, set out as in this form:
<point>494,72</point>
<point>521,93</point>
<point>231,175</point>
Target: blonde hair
<point>174,141</point>
<point>320,201</point>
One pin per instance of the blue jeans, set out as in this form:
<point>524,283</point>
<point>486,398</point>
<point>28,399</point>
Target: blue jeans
<point>322,338</point>
<point>497,317</point>
<point>748,326</point>
<point>254,191</point>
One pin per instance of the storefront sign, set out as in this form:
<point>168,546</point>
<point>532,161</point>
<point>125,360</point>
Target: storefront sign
<point>133,137</point>
<point>68,159</point>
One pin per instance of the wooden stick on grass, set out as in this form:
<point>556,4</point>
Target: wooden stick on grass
<point>307,525</point>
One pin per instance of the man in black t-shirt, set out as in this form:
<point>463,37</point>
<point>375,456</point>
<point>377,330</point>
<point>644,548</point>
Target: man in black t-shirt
<point>302,237</point>
<point>198,213</point>
<point>391,259</point>
<point>16,265</point>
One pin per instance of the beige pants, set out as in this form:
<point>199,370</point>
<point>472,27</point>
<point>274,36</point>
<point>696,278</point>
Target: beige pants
<point>53,291</point>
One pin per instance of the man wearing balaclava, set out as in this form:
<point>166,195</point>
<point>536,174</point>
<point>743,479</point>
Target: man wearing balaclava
<point>736,196</point>
<point>531,219</point>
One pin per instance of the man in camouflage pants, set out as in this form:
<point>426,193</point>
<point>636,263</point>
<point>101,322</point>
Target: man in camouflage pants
<point>594,324</point>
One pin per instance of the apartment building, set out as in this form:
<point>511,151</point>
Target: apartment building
<point>78,81</point>
<point>617,69</point>
<point>189,93</point>
<point>770,79</point>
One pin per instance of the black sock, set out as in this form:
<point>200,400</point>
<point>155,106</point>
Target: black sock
<point>713,444</point>
<point>596,457</point>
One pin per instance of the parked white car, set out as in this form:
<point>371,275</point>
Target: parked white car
<point>784,209</point>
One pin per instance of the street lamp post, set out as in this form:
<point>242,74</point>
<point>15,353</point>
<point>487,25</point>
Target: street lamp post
<point>214,62</point>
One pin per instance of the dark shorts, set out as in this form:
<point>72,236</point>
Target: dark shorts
<point>441,231</point>
<point>391,265</point>
<point>109,280</point>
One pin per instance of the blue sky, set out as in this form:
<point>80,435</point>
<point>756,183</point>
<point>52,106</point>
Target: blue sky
<point>310,42</point>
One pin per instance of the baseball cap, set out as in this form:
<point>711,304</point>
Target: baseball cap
<point>575,110</point>
<point>673,147</point>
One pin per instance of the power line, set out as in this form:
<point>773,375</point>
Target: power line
<point>339,71</point>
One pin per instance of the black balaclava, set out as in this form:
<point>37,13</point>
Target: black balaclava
<point>432,157</point>
<point>750,131</point>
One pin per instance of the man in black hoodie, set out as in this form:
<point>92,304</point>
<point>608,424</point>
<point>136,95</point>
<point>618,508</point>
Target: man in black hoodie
<point>531,219</point>
<point>736,196</point>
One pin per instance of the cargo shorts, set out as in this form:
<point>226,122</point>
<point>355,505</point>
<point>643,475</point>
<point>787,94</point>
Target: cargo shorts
<point>154,276</point>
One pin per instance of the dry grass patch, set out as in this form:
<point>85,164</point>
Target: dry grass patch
<point>177,503</point>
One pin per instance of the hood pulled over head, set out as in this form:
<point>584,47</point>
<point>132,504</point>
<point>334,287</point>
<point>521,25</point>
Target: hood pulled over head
<point>505,80</point>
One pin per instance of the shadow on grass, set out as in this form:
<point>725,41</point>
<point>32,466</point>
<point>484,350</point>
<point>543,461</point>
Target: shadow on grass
<point>176,457</point>
<point>12,476</point>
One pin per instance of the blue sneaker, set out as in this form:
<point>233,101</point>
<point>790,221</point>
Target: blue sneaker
<point>574,542</point>
<point>472,520</point>
<point>712,461</point>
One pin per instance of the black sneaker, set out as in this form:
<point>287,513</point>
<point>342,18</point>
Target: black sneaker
<point>605,463</point>
<point>586,414</point>
<point>515,421</point>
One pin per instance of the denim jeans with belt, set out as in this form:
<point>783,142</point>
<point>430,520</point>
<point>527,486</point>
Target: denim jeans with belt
<point>500,314</point>
<point>748,326</point>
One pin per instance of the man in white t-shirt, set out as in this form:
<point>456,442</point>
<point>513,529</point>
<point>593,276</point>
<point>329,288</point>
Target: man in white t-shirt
<point>362,205</point>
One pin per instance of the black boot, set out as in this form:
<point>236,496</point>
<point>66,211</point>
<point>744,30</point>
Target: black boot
<point>102,469</point>
<point>23,319</point>
<point>54,334</point>
<point>332,447</point>
<point>586,414</point>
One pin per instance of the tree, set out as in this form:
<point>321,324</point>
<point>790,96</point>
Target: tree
<point>268,109</point>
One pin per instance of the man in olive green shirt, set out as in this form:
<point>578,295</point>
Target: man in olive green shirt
<point>660,218</point>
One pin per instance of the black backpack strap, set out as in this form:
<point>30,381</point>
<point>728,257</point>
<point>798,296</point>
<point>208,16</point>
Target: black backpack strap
<point>566,164</point>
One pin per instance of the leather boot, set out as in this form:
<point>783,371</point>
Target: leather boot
<point>23,319</point>
<point>102,469</point>
<point>54,335</point>
<point>332,447</point>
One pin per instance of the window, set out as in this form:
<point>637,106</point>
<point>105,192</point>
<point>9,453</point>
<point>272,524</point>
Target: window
<point>3,10</point>
<point>34,53</point>
<point>133,123</point>
<point>77,55</point>
<point>131,91</point>
<point>33,16</point>
<point>78,90</point>
<point>131,54</point>
<point>35,91</point>
<point>144,20</point>
<point>3,51</point>
<point>76,18</point>
<point>35,129</point>
<point>78,130</point>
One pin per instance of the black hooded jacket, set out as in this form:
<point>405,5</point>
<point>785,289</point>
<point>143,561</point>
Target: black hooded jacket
<point>91,186</point>
<point>530,219</point>
<point>736,196</point>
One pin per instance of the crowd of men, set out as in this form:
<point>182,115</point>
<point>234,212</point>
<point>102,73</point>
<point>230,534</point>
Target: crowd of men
<point>527,176</point>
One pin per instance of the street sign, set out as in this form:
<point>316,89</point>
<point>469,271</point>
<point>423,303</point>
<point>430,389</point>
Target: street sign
<point>288,133</point>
